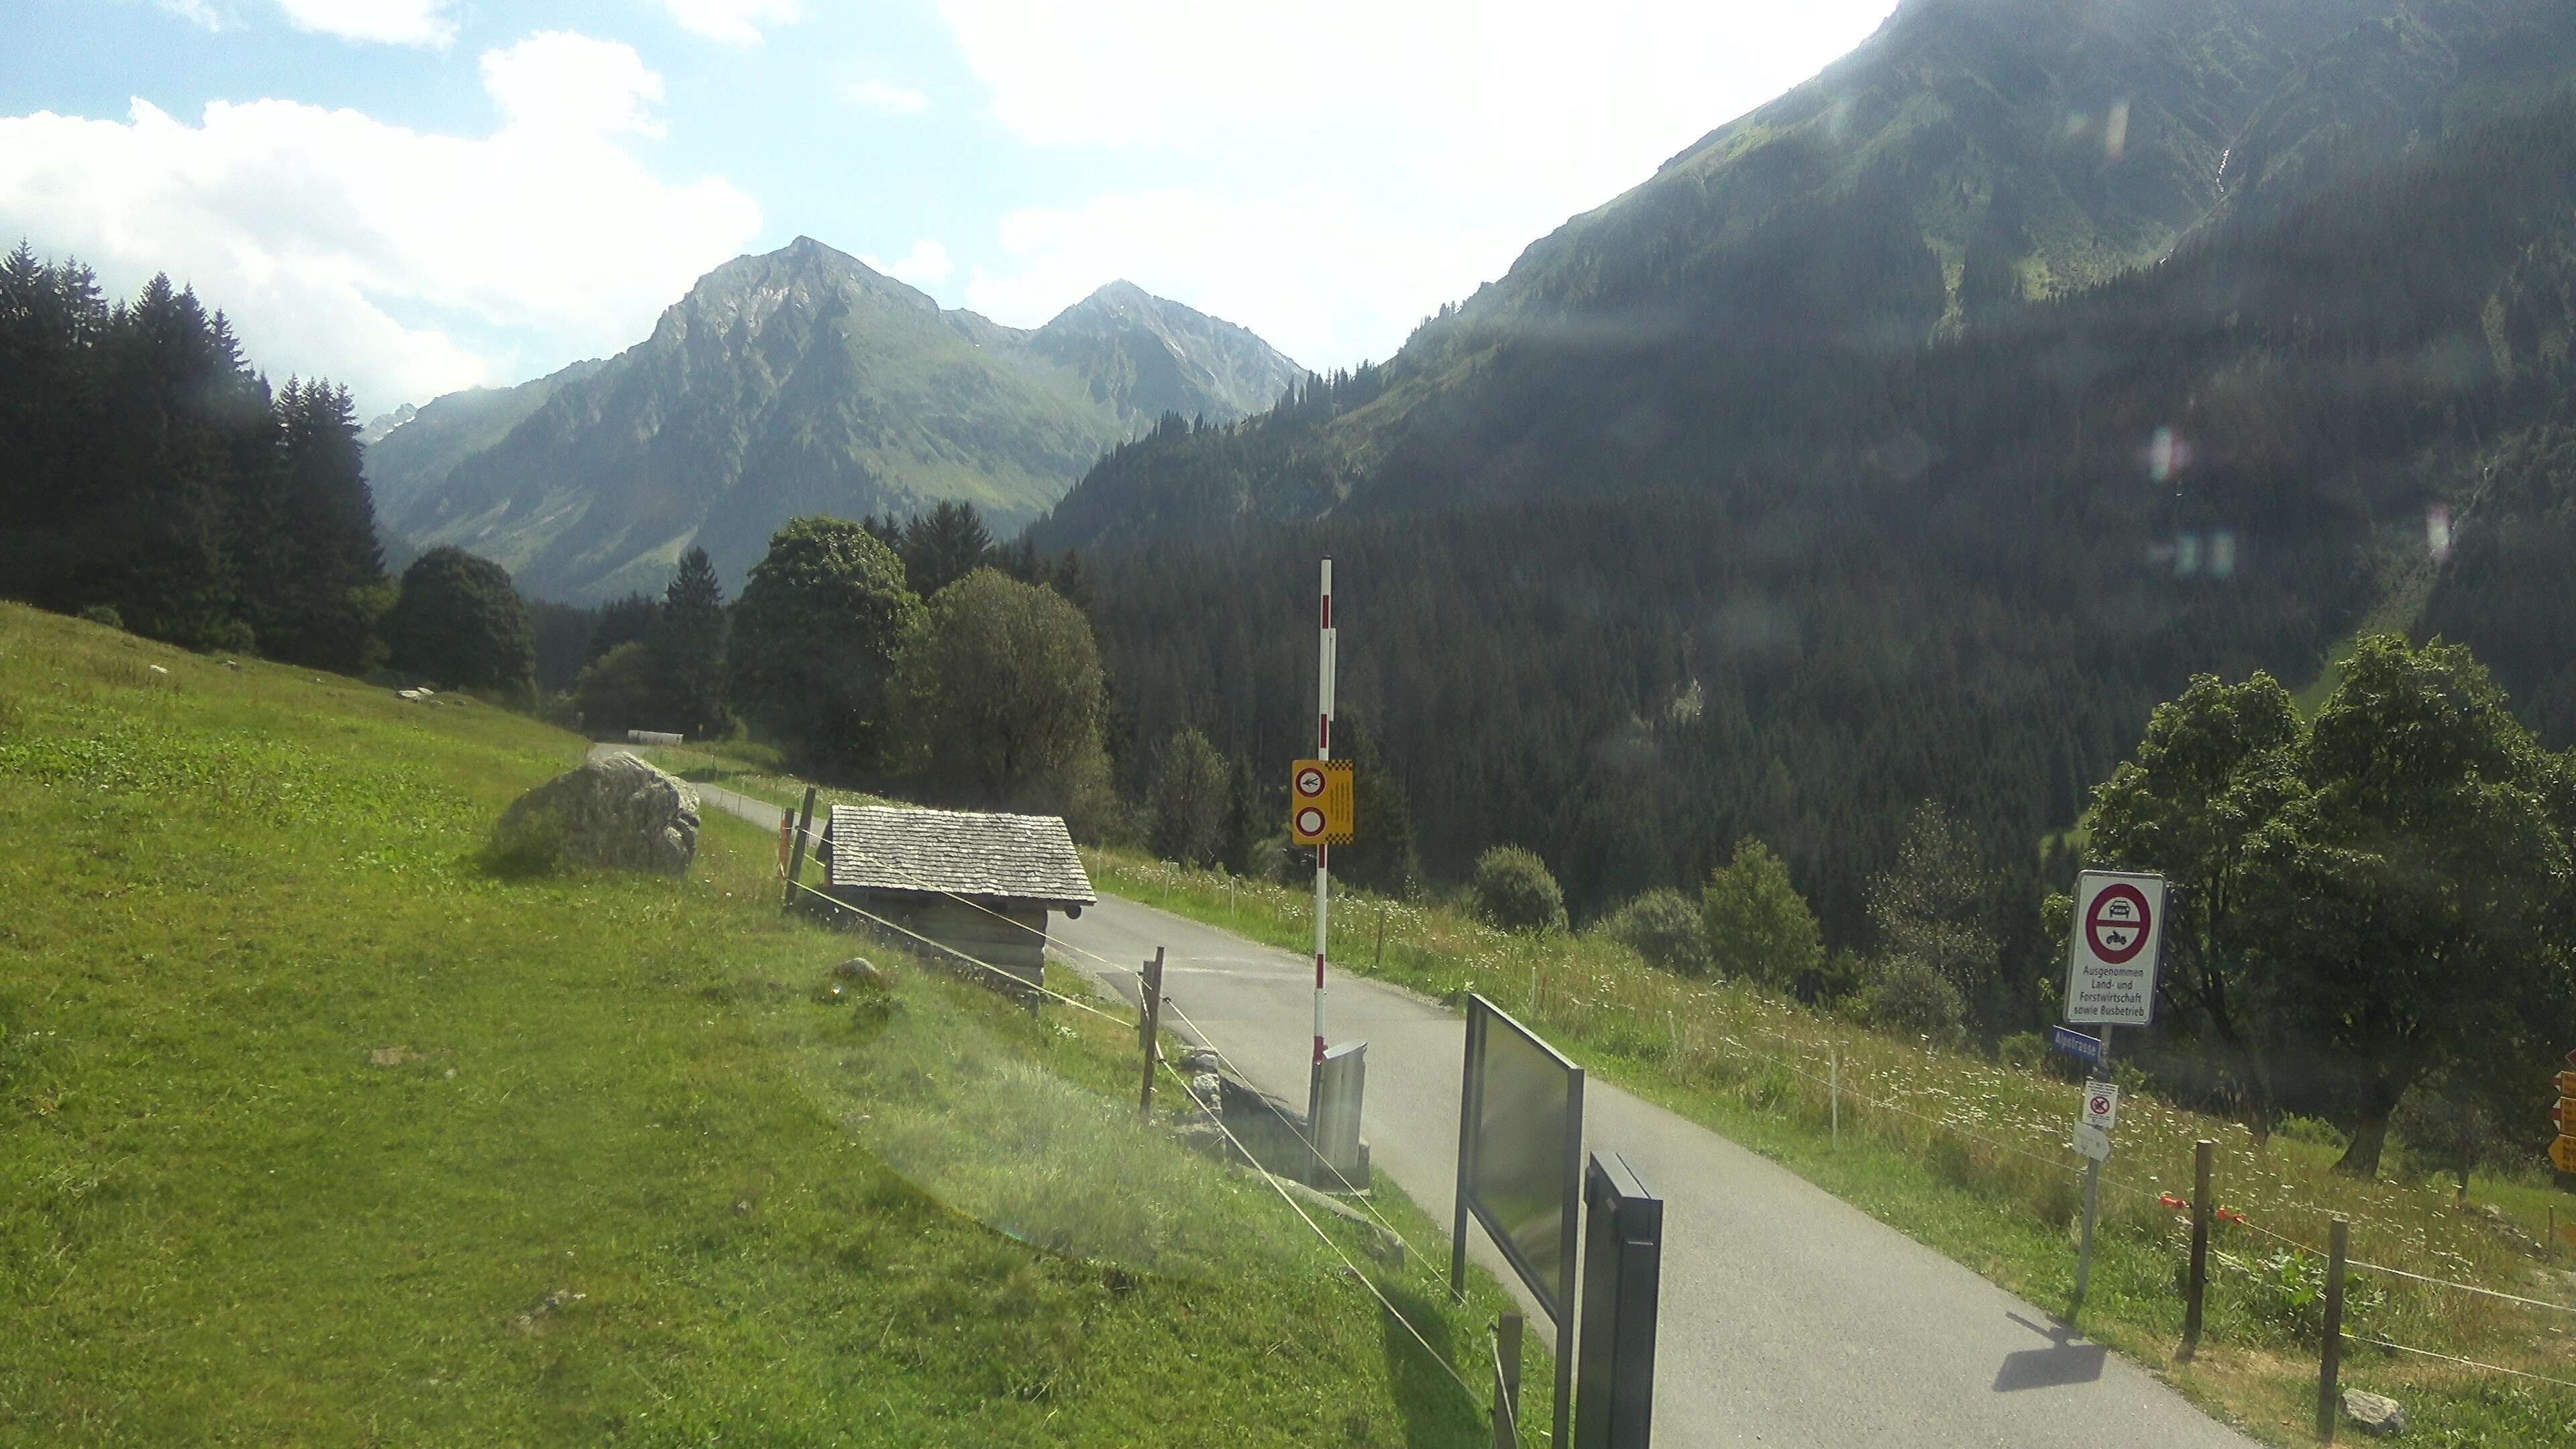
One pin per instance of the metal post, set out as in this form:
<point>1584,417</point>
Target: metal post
<point>1149,1026</point>
<point>1324,649</point>
<point>1470,1088</point>
<point>2196,1291</point>
<point>2329,1400</point>
<point>2092,1205</point>
<point>1507,1381</point>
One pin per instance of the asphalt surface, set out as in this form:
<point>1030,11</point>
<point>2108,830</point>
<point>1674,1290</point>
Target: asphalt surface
<point>1788,1317</point>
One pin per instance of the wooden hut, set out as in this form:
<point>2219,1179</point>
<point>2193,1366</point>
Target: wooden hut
<point>977,884</point>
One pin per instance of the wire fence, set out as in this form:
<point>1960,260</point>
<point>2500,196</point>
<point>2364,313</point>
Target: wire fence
<point>1840,1092</point>
<point>1016,982</point>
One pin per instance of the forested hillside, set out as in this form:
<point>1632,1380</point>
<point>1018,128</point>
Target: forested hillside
<point>1792,593</point>
<point>149,474</point>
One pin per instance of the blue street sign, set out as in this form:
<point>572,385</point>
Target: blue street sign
<point>2075,1043</point>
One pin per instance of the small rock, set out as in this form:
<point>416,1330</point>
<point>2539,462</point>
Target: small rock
<point>228,664</point>
<point>2374,1413</point>
<point>860,971</point>
<point>1201,1059</point>
<point>1207,1087</point>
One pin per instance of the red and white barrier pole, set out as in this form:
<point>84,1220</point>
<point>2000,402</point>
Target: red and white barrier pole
<point>1323,751</point>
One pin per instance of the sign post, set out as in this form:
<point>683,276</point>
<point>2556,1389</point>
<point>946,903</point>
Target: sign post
<point>2110,981</point>
<point>1319,814</point>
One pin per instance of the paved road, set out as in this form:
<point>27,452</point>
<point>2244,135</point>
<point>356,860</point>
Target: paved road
<point>1789,1317</point>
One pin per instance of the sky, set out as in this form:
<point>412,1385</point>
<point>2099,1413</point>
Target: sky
<point>415,196</point>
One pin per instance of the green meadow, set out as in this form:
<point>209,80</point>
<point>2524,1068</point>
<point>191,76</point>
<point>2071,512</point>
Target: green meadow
<point>316,1129</point>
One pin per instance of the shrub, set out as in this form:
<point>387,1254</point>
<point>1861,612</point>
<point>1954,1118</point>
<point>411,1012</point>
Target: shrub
<point>104,614</point>
<point>2315,1131</point>
<point>1187,807</point>
<point>1513,889</point>
<point>1758,926</point>
<point>1910,996</point>
<point>1663,927</point>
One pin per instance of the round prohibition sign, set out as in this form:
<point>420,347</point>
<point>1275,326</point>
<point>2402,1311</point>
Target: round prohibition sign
<point>1310,821</point>
<point>2117,923</point>
<point>1310,783</point>
<point>2101,1106</point>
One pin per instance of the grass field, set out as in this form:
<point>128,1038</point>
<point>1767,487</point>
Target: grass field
<point>313,1130</point>
<point>1969,1157</point>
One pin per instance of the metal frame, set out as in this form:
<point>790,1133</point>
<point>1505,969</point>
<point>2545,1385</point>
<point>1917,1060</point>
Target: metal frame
<point>1557,1300</point>
<point>1622,1286</point>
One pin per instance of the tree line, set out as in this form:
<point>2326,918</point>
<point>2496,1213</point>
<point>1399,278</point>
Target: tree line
<point>155,479</point>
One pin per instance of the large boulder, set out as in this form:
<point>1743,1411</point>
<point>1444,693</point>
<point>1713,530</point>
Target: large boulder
<point>617,812</point>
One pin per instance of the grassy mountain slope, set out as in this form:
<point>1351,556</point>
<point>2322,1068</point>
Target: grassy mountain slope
<point>315,1131</point>
<point>1971,156</point>
<point>801,381</point>
<point>412,461</point>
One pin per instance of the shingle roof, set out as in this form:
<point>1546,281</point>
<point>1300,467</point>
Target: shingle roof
<point>882,848</point>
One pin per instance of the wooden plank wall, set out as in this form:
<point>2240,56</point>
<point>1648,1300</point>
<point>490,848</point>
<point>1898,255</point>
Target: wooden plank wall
<point>1014,940</point>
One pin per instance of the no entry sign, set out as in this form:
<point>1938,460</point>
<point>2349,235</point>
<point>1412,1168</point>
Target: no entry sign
<point>2111,967</point>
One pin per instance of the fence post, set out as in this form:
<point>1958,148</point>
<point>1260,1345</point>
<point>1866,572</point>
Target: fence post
<point>1149,1026</point>
<point>2197,1290</point>
<point>1834,1089</point>
<point>796,862</point>
<point>2329,1398</point>
<point>1507,1381</point>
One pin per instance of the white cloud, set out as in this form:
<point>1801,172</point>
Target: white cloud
<point>893,100</point>
<point>374,254</point>
<point>559,81</point>
<point>195,12</point>
<point>733,22</point>
<point>391,22</point>
<point>926,265</point>
<point>1409,152</point>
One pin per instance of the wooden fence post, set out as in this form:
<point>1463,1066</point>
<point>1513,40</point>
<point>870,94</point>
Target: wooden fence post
<point>1149,1025</point>
<point>2196,1290</point>
<point>2329,1396</point>
<point>796,862</point>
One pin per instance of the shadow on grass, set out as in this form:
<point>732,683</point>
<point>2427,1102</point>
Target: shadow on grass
<point>1435,1411</point>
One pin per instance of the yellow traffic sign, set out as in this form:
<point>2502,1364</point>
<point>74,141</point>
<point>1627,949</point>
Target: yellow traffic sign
<point>2567,1084</point>
<point>2563,1152</point>
<point>1319,802</point>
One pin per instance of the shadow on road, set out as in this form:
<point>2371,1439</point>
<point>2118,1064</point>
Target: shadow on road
<point>2065,1361</point>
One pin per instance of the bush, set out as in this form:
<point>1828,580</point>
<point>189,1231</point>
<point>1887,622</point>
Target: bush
<point>1757,924</point>
<point>458,624</point>
<point>1513,889</point>
<point>2286,1294</point>
<point>1663,927</point>
<point>1910,996</point>
<point>2315,1131</point>
<point>104,614</point>
<point>1186,809</point>
<point>2023,1051</point>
